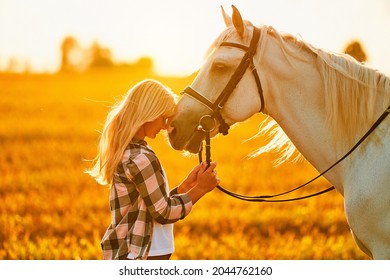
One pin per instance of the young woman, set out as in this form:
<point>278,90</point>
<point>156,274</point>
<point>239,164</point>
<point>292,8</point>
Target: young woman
<point>143,209</point>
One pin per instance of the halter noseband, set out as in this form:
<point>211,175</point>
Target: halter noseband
<point>218,104</point>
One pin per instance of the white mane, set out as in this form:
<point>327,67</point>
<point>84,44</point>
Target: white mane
<point>352,90</point>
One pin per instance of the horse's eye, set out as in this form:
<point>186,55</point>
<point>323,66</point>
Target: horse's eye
<point>219,67</point>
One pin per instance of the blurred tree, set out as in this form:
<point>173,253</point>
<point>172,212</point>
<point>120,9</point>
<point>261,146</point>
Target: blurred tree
<point>13,65</point>
<point>69,50</point>
<point>100,57</point>
<point>26,67</point>
<point>77,59</point>
<point>355,50</point>
<point>17,66</point>
<point>145,64</point>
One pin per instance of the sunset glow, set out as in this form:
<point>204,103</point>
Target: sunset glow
<point>176,34</point>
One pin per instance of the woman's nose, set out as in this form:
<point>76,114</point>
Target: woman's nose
<point>168,126</point>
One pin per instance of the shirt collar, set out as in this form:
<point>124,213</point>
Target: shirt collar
<point>139,142</point>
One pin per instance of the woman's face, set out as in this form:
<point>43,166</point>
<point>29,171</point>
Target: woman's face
<point>154,127</point>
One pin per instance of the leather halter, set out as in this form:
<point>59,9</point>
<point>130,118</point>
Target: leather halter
<point>246,62</point>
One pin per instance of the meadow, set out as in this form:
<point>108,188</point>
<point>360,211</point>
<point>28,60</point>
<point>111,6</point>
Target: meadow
<point>51,209</point>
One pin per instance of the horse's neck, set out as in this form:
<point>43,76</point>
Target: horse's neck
<point>296,101</point>
<point>305,125</point>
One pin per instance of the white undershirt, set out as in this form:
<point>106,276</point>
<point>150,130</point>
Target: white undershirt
<point>162,236</point>
<point>162,240</point>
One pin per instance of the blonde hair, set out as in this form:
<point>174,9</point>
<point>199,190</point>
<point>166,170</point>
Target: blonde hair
<point>145,102</point>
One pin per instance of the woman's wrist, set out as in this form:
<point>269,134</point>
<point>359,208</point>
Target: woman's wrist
<point>183,187</point>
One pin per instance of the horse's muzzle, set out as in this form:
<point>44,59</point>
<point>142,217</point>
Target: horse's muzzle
<point>192,145</point>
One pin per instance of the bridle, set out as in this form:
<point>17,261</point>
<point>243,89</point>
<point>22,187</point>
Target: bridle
<point>207,123</point>
<point>217,105</point>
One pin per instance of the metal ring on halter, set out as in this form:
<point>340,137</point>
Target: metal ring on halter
<point>207,123</point>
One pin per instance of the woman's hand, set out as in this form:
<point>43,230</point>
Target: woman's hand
<point>207,178</point>
<point>201,180</point>
<point>206,181</point>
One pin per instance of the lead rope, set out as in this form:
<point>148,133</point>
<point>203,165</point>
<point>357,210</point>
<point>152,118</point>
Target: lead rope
<point>266,198</point>
<point>262,198</point>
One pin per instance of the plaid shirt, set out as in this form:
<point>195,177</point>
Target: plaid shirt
<point>138,197</point>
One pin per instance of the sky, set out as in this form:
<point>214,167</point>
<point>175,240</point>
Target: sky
<point>177,33</point>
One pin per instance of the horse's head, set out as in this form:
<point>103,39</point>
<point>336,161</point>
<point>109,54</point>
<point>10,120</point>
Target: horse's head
<point>224,88</point>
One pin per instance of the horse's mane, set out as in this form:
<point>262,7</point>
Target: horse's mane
<point>353,94</point>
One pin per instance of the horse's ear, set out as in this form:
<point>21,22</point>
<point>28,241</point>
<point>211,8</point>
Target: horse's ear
<point>226,18</point>
<point>238,22</point>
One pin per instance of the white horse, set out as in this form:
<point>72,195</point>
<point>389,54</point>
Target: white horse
<point>321,104</point>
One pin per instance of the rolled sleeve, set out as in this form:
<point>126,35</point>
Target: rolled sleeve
<point>186,203</point>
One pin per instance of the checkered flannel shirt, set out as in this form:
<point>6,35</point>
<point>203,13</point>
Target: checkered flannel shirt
<point>138,197</point>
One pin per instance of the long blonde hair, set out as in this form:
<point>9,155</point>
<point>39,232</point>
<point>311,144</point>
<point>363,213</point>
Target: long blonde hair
<point>145,102</point>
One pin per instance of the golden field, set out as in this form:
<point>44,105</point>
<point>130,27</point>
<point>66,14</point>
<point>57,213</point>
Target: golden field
<point>50,209</point>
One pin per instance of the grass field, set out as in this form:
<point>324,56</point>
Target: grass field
<point>50,209</point>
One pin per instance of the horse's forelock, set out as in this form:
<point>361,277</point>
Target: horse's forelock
<point>224,36</point>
